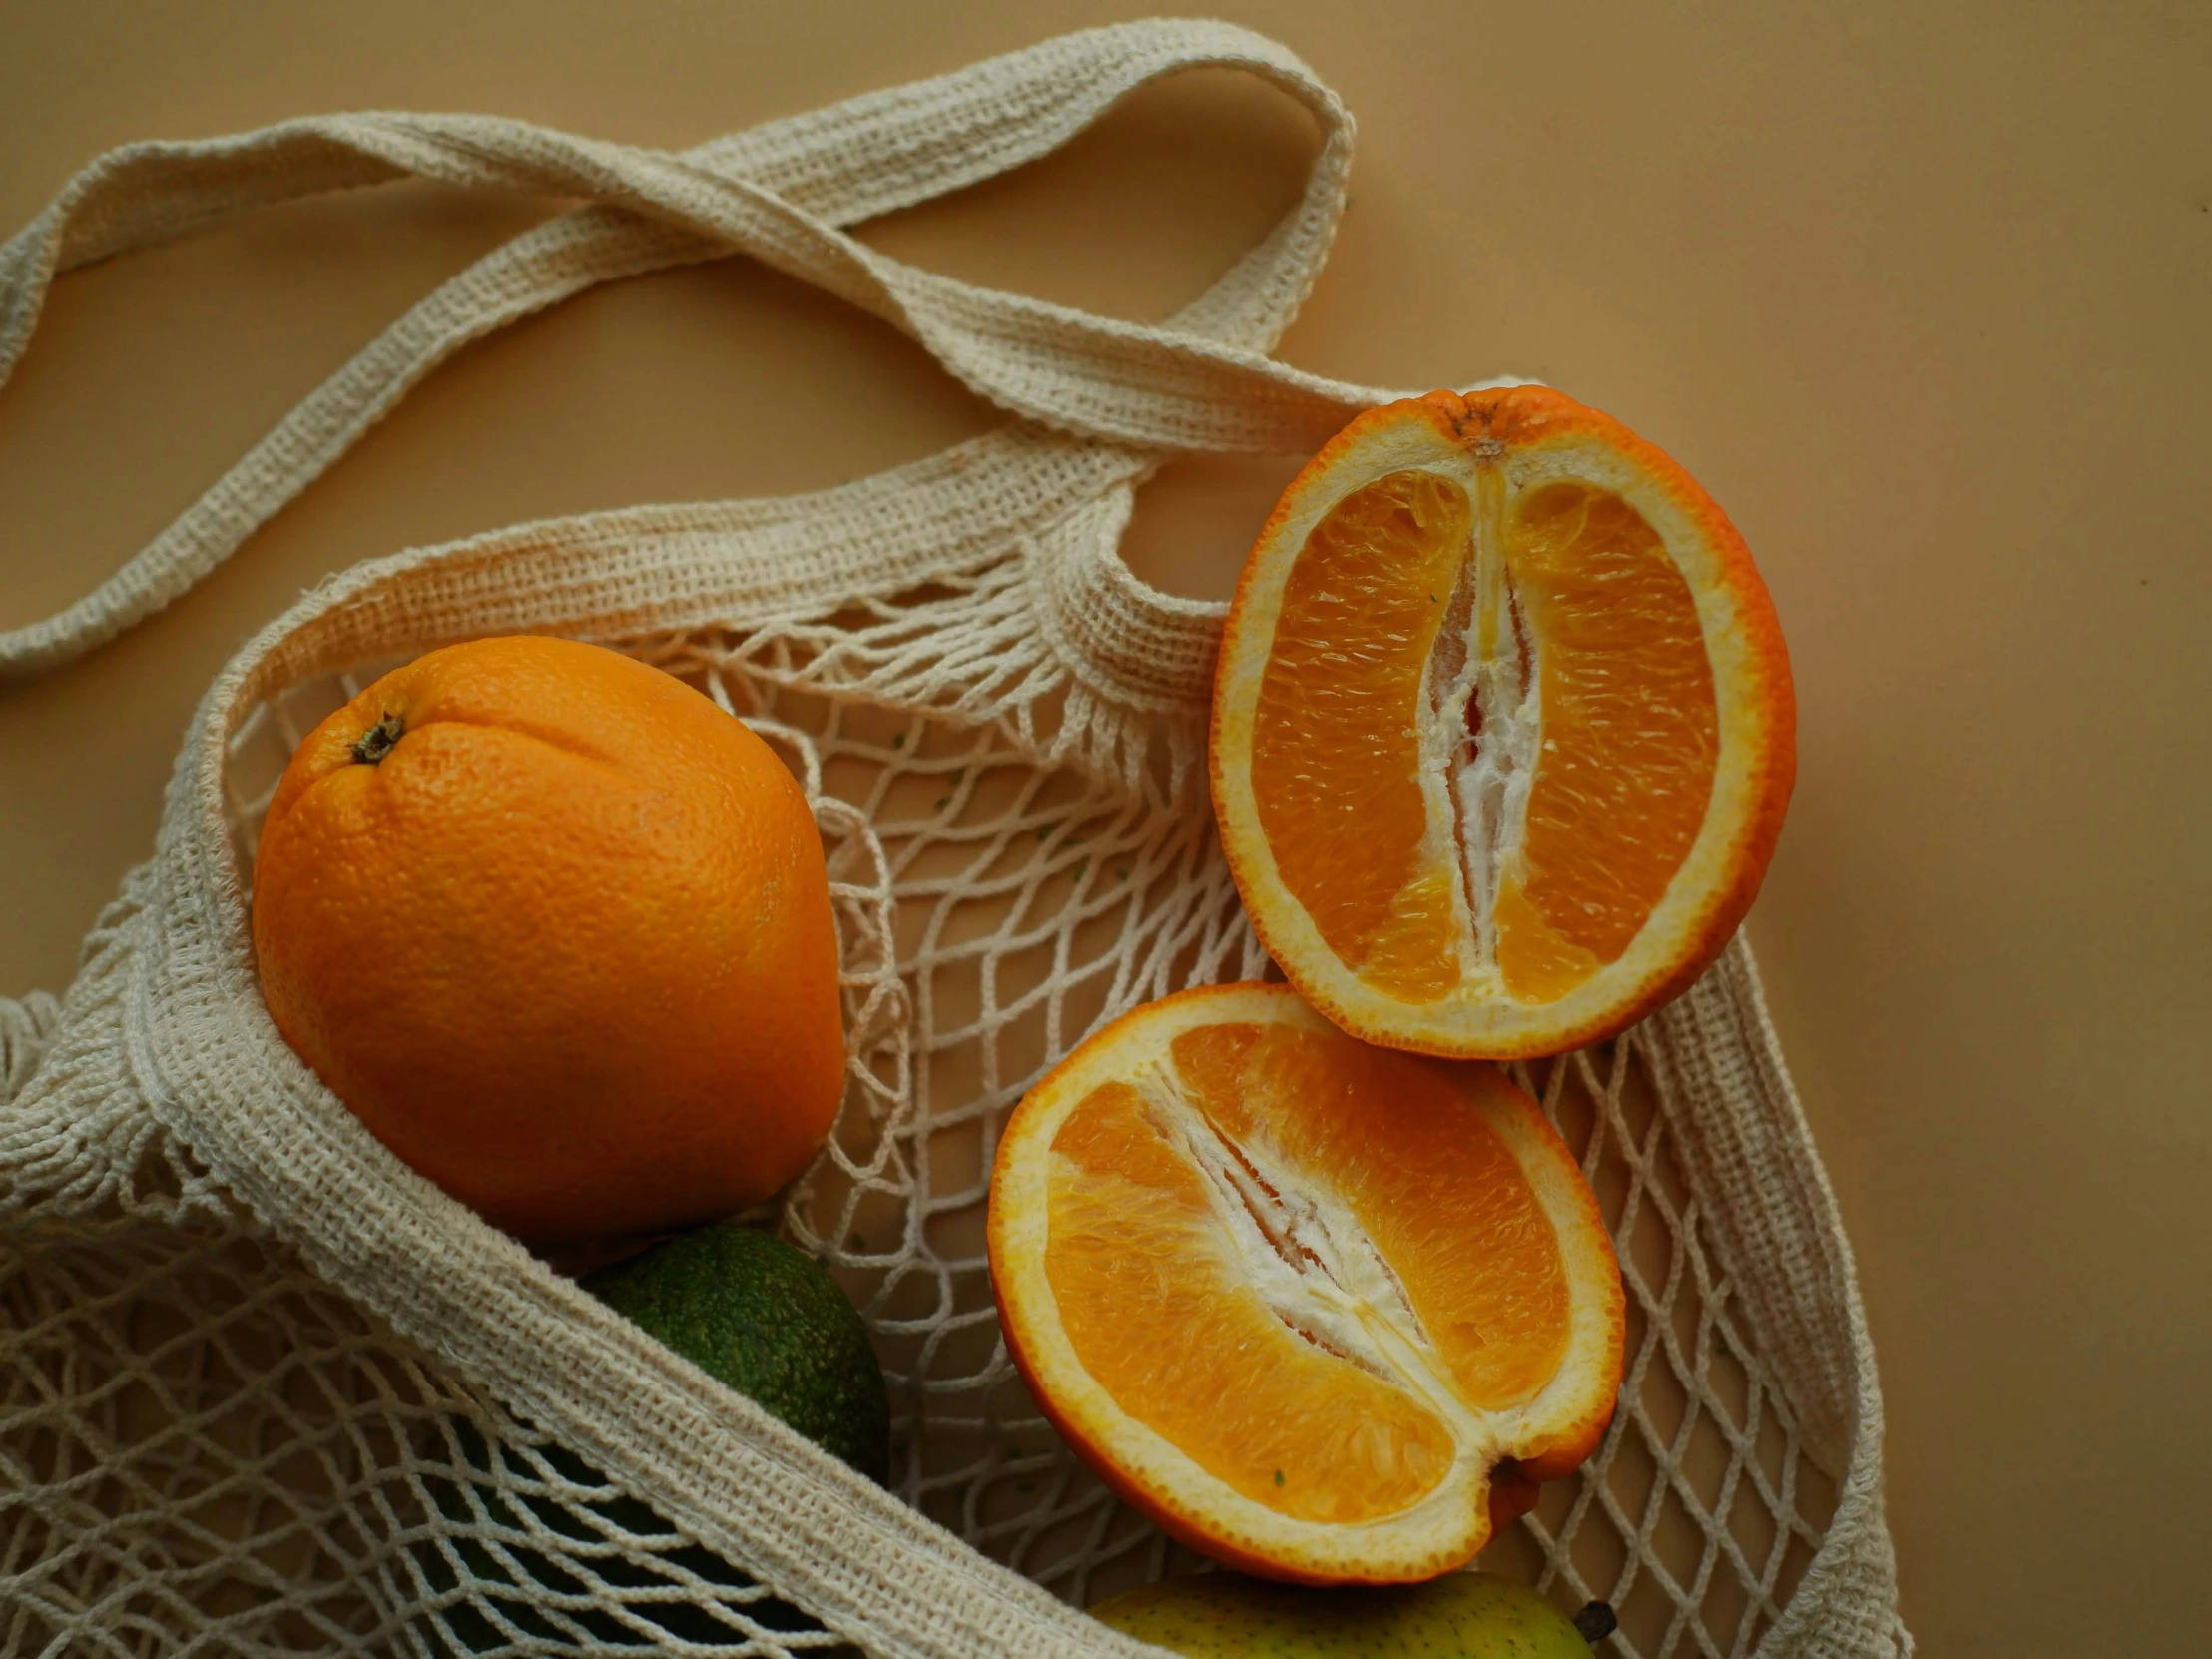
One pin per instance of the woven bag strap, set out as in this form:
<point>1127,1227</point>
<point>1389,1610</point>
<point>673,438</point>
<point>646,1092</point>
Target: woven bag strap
<point>781,193</point>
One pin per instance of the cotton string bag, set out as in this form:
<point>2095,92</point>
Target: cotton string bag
<point>269,1391</point>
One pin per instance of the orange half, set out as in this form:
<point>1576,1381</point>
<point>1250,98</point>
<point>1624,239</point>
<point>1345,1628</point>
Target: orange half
<point>1323,1311</point>
<point>1503,728</point>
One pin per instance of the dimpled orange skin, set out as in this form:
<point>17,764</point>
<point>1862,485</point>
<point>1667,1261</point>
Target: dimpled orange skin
<point>566,947</point>
<point>1513,416</point>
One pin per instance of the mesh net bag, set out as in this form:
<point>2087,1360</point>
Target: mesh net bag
<point>266,1392</point>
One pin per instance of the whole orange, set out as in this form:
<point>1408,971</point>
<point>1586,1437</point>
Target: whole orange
<point>557,929</point>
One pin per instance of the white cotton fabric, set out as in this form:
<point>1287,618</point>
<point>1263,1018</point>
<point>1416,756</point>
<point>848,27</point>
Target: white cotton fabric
<point>269,1391</point>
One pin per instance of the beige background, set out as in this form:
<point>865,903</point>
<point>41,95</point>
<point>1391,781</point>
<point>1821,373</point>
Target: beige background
<point>1922,295</point>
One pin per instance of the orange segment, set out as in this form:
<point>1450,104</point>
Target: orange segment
<point>1136,1246</point>
<point>1426,1180</point>
<point>1630,734</point>
<point>1503,728</point>
<point>1336,749</point>
<point>1296,1298</point>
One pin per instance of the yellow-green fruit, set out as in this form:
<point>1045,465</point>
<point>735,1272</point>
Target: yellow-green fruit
<point>1464,1615</point>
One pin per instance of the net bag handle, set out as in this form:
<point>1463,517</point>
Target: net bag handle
<point>783,193</point>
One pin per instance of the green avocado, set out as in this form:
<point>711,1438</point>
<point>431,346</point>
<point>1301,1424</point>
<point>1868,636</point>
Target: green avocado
<point>754,1314</point>
<point>1464,1615</point>
<point>750,1310</point>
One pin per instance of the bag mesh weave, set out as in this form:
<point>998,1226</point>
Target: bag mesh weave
<point>264,1392</point>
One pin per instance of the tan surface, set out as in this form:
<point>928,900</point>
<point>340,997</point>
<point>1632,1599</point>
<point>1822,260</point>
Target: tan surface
<point>1926,301</point>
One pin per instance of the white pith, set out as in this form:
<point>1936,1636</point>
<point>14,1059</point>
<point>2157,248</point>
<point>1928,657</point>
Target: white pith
<point>1446,1524</point>
<point>1303,1250</point>
<point>1478,1014</point>
<point>1477,818</point>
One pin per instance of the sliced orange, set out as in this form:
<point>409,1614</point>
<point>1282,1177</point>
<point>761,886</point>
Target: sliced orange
<point>1323,1311</point>
<point>1503,728</point>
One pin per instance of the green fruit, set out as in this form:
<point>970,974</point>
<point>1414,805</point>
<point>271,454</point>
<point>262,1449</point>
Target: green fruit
<point>754,1314</point>
<point>1464,1615</point>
